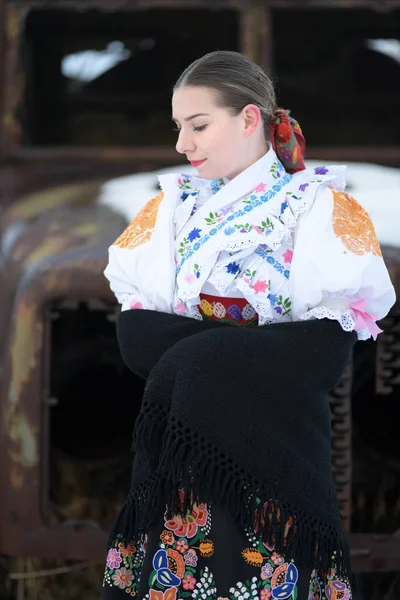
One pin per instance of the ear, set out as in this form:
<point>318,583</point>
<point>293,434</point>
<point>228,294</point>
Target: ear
<point>252,118</point>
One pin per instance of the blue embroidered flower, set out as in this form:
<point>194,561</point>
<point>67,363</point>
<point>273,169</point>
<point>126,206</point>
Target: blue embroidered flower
<point>164,575</point>
<point>285,589</point>
<point>284,206</point>
<point>303,187</point>
<point>233,268</point>
<point>320,170</point>
<point>184,196</point>
<point>194,234</point>
<point>216,185</point>
<point>273,298</point>
<point>229,230</point>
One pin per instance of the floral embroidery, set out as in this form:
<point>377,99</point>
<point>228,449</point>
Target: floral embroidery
<point>183,246</point>
<point>127,551</point>
<point>184,182</point>
<point>220,221</point>
<point>253,557</point>
<point>267,225</point>
<point>260,286</point>
<point>141,228</point>
<point>123,566</point>
<point>303,187</point>
<point>332,588</point>
<point>113,558</point>
<point>276,558</point>
<point>167,537</point>
<point>206,548</point>
<point>320,170</point>
<point>188,582</point>
<point>272,261</point>
<point>266,571</point>
<point>122,578</point>
<point>216,185</point>
<point>182,546</point>
<point>163,573</point>
<point>179,574</point>
<point>196,270</point>
<point>281,305</point>
<point>249,276</point>
<point>260,188</point>
<point>352,224</point>
<point>233,268</point>
<point>287,256</point>
<point>187,526</point>
<point>135,305</point>
<point>191,558</point>
<point>235,311</point>
<point>168,595</point>
<point>213,218</point>
<point>244,228</point>
<point>180,308</point>
<point>194,234</point>
<point>275,171</point>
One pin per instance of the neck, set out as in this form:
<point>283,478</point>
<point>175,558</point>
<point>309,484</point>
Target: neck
<point>253,156</point>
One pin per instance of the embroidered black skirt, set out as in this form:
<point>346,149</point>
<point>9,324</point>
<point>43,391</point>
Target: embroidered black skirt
<point>206,556</point>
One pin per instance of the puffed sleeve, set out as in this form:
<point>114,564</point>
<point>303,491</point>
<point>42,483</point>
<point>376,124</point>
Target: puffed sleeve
<point>137,270</point>
<point>338,271</point>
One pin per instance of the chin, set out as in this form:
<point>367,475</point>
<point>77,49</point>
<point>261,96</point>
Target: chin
<point>209,173</point>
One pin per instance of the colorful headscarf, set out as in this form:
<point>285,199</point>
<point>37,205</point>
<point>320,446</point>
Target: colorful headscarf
<point>287,140</point>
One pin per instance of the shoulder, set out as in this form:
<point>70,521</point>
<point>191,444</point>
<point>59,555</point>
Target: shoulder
<point>350,222</point>
<point>142,226</point>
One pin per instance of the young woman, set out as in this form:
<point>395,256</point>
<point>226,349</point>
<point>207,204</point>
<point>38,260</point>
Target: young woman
<point>232,494</point>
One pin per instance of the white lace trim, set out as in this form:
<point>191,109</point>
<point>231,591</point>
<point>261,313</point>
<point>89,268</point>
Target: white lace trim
<point>346,319</point>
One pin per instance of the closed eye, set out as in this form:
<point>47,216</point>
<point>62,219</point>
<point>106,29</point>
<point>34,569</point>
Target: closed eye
<point>199,128</point>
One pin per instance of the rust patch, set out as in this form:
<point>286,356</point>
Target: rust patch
<point>24,448</point>
<point>22,436</point>
<point>24,347</point>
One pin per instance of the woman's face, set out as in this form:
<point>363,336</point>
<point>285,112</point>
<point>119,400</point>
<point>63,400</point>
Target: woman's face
<point>215,141</point>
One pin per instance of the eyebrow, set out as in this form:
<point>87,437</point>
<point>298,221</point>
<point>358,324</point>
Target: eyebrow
<point>194,116</point>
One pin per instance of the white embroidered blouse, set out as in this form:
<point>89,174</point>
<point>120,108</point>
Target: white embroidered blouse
<point>295,246</point>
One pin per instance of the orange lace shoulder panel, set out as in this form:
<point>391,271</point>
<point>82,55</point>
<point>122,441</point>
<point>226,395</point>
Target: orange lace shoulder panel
<point>353,225</point>
<point>142,227</point>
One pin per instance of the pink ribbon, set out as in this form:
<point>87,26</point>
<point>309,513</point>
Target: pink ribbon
<point>364,319</point>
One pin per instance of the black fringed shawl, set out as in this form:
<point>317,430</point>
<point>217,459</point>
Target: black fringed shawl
<point>238,417</point>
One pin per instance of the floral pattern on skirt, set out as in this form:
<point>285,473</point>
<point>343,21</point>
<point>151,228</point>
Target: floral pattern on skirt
<point>205,556</point>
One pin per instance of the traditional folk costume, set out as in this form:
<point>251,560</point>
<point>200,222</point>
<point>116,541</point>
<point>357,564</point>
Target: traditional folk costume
<point>232,494</point>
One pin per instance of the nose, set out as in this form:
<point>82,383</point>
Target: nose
<point>185,144</point>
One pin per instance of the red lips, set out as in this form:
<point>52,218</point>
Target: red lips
<point>197,163</point>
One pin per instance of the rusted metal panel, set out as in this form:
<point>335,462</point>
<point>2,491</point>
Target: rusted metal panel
<point>211,4</point>
<point>54,246</point>
<point>14,77</point>
<point>2,74</point>
<point>374,552</point>
<point>134,5</point>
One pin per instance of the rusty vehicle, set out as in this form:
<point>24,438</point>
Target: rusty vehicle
<point>85,93</point>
